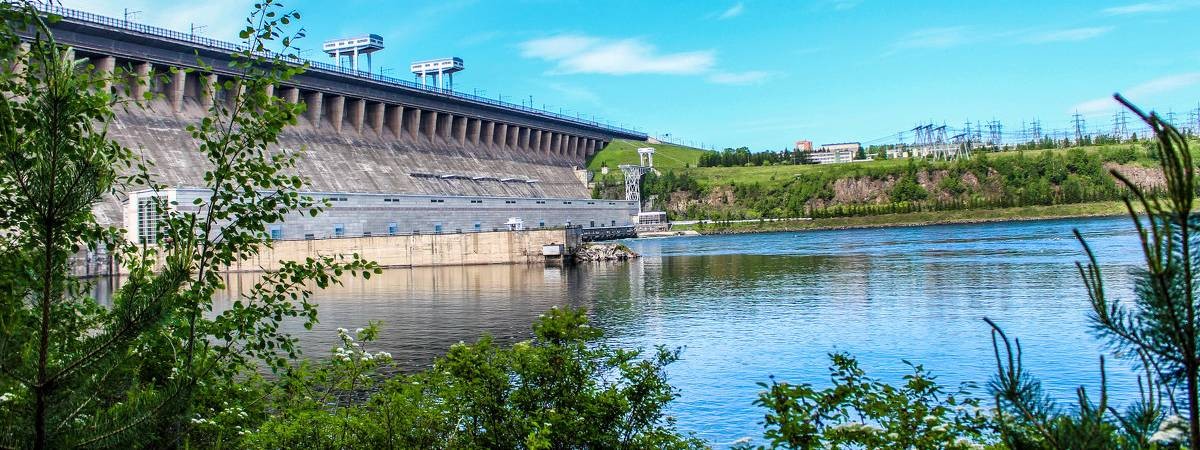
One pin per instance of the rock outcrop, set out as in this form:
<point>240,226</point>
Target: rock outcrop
<point>604,252</point>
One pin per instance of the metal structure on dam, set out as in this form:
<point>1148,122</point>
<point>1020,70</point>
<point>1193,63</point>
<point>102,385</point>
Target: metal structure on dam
<point>362,134</point>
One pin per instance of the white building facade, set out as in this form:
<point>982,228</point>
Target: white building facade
<point>357,215</point>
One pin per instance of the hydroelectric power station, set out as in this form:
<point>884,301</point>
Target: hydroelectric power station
<point>395,158</point>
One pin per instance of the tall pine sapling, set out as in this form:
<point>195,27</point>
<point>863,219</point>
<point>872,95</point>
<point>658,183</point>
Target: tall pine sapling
<point>1157,330</point>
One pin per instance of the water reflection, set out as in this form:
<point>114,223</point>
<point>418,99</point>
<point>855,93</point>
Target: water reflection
<point>747,307</point>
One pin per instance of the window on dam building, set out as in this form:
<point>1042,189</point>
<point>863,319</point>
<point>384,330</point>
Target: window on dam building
<point>339,230</point>
<point>276,232</point>
<point>148,220</point>
<point>393,228</point>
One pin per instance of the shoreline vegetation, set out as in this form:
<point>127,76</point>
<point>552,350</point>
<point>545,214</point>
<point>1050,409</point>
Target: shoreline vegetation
<point>913,219</point>
<point>161,367</point>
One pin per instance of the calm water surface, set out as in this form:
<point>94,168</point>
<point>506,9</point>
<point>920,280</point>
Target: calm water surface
<point>746,307</point>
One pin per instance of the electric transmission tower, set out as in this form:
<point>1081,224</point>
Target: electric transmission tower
<point>1037,130</point>
<point>1080,128</point>
<point>1120,125</point>
<point>995,131</point>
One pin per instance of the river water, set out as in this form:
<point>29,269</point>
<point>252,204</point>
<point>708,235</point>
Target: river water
<point>745,307</point>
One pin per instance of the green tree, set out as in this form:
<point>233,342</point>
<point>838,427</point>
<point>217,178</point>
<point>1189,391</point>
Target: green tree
<point>76,374</point>
<point>907,188</point>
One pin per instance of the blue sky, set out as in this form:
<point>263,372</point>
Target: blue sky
<point>766,73</point>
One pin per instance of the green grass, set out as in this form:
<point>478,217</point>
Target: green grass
<point>623,151</point>
<point>674,157</point>
<point>919,218</point>
<point>767,175</point>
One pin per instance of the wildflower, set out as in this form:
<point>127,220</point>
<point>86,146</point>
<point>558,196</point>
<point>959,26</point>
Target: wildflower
<point>742,441</point>
<point>930,419</point>
<point>1173,429</point>
<point>358,330</point>
<point>8,396</point>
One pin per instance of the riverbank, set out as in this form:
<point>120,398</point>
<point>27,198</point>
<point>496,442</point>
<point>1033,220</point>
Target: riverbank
<point>1077,210</point>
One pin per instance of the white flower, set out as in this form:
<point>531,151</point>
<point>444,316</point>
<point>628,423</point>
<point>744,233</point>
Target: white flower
<point>341,330</point>
<point>930,419</point>
<point>8,396</point>
<point>1172,429</point>
<point>359,330</point>
<point>743,440</point>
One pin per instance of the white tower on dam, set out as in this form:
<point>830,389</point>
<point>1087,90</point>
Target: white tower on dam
<point>350,48</point>
<point>438,69</point>
<point>633,175</point>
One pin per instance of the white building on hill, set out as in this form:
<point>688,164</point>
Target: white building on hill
<point>835,153</point>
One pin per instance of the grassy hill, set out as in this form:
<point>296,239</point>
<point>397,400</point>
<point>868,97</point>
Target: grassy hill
<point>680,159</point>
<point>774,175</point>
<point>623,151</point>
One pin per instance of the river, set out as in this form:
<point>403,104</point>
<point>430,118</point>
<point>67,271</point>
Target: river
<point>745,307</point>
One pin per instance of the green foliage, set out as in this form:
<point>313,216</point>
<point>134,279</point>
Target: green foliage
<point>562,389</point>
<point>624,151</point>
<point>986,180</point>
<point>907,189</point>
<point>861,412</point>
<point>1157,330</point>
<point>157,368</point>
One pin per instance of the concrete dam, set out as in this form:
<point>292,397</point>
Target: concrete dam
<point>394,157</point>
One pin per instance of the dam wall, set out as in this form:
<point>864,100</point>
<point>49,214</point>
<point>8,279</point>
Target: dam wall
<point>360,133</point>
<point>504,247</point>
<point>425,250</point>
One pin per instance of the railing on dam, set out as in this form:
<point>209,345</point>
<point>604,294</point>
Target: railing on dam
<point>192,38</point>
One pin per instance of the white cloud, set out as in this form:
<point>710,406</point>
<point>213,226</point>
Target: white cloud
<point>1067,35</point>
<point>586,54</point>
<point>557,47</point>
<point>221,19</point>
<point>1161,85</point>
<point>578,93</point>
<point>837,5</point>
<point>733,11</point>
<point>943,37</point>
<point>739,78</point>
<point>1149,7</point>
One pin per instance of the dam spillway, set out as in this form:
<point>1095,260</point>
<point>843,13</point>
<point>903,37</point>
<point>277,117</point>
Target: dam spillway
<point>363,136</point>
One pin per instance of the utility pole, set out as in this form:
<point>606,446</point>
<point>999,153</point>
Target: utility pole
<point>196,28</point>
<point>1037,129</point>
<point>130,13</point>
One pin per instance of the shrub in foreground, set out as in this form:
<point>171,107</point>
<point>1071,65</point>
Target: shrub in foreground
<point>562,389</point>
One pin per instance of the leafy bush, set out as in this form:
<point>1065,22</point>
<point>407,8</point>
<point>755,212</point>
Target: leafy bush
<point>862,412</point>
<point>562,389</point>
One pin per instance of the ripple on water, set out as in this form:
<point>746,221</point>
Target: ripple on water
<point>746,307</point>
